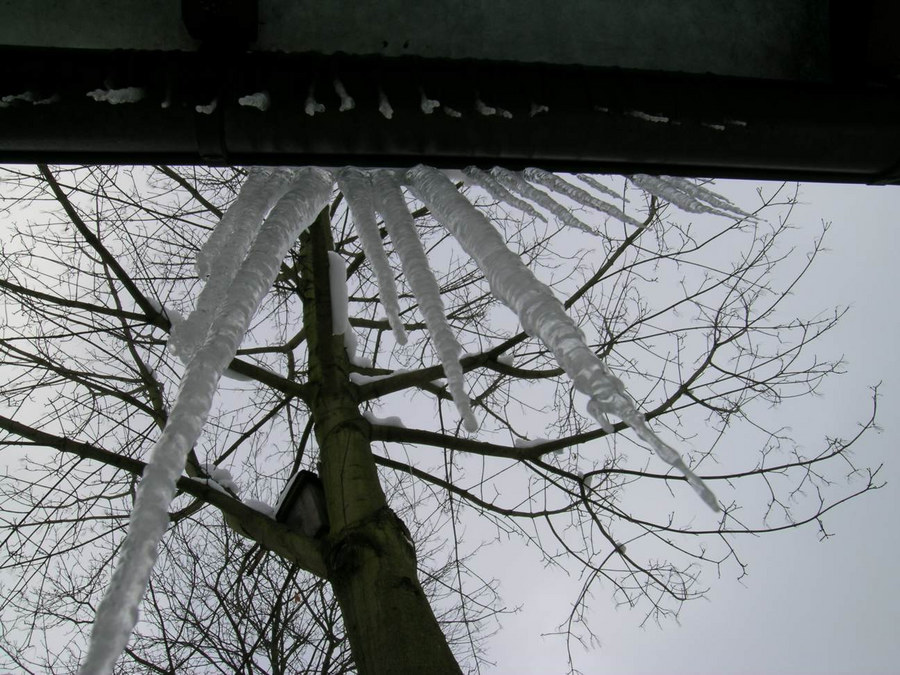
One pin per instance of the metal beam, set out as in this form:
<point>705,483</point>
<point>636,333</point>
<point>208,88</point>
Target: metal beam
<point>833,115</point>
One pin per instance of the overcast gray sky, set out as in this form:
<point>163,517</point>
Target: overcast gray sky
<point>806,606</point>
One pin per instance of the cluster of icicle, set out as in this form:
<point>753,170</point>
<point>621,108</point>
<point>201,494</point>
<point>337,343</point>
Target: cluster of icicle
<point>540,312</point>
<point>241,260</point>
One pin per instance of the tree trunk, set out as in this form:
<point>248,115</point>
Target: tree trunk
<point>370,561</point>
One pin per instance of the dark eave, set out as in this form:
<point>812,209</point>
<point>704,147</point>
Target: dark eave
<point>839,122</point>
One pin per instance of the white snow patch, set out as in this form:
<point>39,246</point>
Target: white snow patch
<point>392,421</point>
<point>506,359</point>
<point>359,378</point>
<point>538,109</point>
<point>236,376</point>
<point>526,443</point>
<point>117,96</point>
<point>262,507</point>
<point>222,477</point>
<point>450,112</point>
<point>361,362</point>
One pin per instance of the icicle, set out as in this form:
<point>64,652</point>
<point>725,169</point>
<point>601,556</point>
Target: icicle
<point>262,188</point>
<point>518,184</point>
<point>224,252</point>
<point>597,185</point>
<point>402,229</point>
<point>384,106</point>
<point>540,312</point>
<point>347,102</point>
<point>671,193</point>
<point>701,193</point>
<point>118,612</point>
<point>428,105</point>
<point>492,186</point>
<point>311,106</point>
<point>687,196</point>
<point>574,193</point>
<point>357,188</point>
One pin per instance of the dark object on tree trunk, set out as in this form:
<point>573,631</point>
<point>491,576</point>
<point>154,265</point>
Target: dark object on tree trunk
<point>302,505</point>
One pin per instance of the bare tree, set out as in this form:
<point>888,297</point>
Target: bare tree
<point>98,262</point>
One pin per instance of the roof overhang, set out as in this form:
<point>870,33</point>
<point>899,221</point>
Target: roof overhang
<point>793,89</point>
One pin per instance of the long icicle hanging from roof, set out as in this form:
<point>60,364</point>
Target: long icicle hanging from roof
<point>541,314</point>
<point>305,196</point>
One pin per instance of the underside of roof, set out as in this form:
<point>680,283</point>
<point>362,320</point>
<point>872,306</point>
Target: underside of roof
<point>793,89</point>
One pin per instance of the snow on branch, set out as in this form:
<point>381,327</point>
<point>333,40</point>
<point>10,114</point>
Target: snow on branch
<point>117,614</point>
<point>540,313</point>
